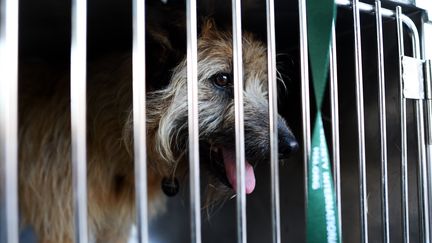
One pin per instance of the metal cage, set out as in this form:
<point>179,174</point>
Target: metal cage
<point>386,170</point>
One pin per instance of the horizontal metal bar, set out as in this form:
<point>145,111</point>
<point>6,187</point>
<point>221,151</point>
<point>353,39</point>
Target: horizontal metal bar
<point>365,7</point>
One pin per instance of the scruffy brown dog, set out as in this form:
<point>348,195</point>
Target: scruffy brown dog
<point>45,152</point>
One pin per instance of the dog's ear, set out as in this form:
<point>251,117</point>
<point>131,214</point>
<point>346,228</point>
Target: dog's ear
<point>208,28</point>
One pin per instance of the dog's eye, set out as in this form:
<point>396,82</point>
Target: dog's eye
<point>222,79</point>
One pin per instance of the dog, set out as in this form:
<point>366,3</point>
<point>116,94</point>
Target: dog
<point>45,184</point>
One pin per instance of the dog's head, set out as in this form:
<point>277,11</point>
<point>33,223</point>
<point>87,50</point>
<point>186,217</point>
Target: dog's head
<point>169,112</point>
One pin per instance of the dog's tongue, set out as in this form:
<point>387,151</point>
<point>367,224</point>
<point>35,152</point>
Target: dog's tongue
<point>230,170</point>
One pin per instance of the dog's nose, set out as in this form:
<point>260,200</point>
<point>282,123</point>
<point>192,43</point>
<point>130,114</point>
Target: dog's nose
<point>287,142</point>
<point>287,145</point>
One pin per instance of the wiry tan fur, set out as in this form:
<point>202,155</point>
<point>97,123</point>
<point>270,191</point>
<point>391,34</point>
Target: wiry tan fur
<point>45,148</point>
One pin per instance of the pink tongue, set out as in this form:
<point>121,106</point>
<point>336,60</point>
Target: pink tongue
<point>230,170</point>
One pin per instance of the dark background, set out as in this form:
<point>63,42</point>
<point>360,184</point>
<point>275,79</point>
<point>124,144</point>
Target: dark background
<point>45,38</point>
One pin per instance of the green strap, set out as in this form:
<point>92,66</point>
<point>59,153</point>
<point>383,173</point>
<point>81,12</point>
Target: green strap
<point>322,222</point>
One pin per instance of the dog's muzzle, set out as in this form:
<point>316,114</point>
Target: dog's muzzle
<point>223,163</point>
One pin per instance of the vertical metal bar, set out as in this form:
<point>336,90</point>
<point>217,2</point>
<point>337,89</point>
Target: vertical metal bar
<point>78,117</point>
<point>192,74</point>
<point>360,122</point>
<point>239,120</point>
<point>304,70</point>
<point>424,194</point>
<point>139,118</point>
<point>334,102</point>
<point>427,56</point>
<point>9,120</point>
<point>421,143</point>
<point>273,120</point>
<point>404,154</point>
<point>421,140</point>
<point>383,125</point>
<point>428,85</point>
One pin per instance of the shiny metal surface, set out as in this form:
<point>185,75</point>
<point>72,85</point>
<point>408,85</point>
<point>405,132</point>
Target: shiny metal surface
<point>305,96</point>
<point>334,103</point>
<point>192,73</point>
<point>139,118</point>
<point>360,122</point>
<point>288,205</point>
<point>422,174</point>
<point>78,117</point>
<point>9,121</point>
<point>424,209</point>
<point>424,200</point>
<point>427,56</point>
<point>383,126</point>
<point>403,119</point>
<point>273,121</point>
<point>424,203</point>
<point>239,120</point>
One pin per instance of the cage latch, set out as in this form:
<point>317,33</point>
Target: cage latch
<point>413,78</point>
<point>417,84</point>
